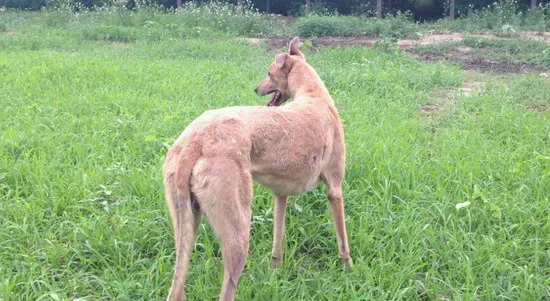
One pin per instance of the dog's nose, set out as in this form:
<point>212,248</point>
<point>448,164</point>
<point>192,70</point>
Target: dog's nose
<point>256,90</point>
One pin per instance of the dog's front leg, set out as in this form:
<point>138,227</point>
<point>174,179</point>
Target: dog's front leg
<point>279,208</point>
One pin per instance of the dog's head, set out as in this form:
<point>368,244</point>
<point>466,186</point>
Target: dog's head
<point>276,81</point>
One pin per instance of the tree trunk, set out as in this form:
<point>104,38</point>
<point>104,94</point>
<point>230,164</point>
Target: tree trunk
<point>452,10</point>
<point>533,5</point>
<point>48,4</point>
<point>268,6</point>
<point>178,3</point>
<point>379,9</point>
<point>240,4</point>
<point>308,2</point>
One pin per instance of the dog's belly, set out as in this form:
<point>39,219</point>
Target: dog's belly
<point>287,185</point>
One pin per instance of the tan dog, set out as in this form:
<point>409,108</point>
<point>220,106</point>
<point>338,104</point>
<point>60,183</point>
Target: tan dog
<point>288,149</point>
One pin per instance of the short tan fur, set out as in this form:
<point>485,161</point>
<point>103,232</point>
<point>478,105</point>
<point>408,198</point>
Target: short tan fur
<point>289,149</point>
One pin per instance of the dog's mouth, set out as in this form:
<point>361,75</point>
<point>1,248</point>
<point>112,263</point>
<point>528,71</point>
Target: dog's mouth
<point>276,99</point>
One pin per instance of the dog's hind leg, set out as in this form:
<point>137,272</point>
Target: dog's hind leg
<point>334,194</point>
<point>224,190</point>
<point>338,218</point>
<point>279,207</point>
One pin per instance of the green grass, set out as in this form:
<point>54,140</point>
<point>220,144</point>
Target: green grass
<point>85,124</point>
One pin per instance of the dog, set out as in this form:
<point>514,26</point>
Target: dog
<point>210,168</point>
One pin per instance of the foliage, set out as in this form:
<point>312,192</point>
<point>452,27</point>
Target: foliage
<point>420,9</point>
<point>502,19</point>
<point>316,25</point>
<point>500,14</point>
<point>152,23</point>
<point>229,18</point>
<point>397,26</point>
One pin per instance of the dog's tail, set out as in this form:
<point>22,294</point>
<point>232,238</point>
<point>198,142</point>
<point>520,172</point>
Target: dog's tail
<point>184,218</point>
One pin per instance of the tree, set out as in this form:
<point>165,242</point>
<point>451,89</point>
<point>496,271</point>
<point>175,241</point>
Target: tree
<point>48,4</point>
<point>452,10</point>
<point>533,5</point>
<point>379,9</point>
<point>240,4</point>
<point>178,3</point>
<point>308,2</point>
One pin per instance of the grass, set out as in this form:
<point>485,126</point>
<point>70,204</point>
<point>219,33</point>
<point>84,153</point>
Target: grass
<point>86,123</point>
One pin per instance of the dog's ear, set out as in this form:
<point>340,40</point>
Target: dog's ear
<point>283,61</point>
<point>294,48</point>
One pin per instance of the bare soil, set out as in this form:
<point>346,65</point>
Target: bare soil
<point>327,41</point>
<point>445,99</point>
<point>482,65</point>
<point>461,55</point>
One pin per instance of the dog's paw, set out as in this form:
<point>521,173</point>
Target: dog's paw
<point>348,264</point>
<point>276,262</point>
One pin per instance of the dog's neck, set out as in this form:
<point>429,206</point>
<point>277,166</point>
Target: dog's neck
<point>303,81</point>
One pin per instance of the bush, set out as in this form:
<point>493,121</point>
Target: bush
<point>111,33</point>
<point>504,17</point>
<point>230,19</point>
<point>149,22</point>
<point>22,4</point>
<point>317,25</point>
<point>398,26</point>
<point>539,19</point>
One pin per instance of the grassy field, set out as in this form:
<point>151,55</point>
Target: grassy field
<point>447,194</point>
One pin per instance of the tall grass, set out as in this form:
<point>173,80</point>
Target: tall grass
<point>501,17</point>
<point>398,26</point>
<point>449,206</point>
<point>153,23</point>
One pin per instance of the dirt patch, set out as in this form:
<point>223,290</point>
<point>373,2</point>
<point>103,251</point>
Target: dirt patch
<point>366,41</point>
<point>441,101</point>
<point>119,45</point>
<point>363,41</point>
<point>445,99</point>
<point>539,36</point>
<point>253,41</point>
<point>482,65</point>
<point>326,41</point>
<point>431,109</point>
<point>461,54</point>
<point>524,35</point>
<point>430,39</point>
<point>471,86</point>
